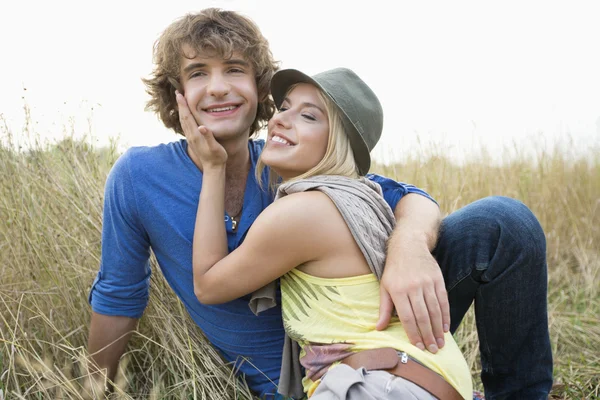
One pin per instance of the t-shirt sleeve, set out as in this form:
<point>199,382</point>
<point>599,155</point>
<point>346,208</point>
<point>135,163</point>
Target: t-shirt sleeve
<point>394,191</point>
<point>121,287</point>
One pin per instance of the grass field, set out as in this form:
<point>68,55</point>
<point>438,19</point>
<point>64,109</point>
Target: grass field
<point>50,222</point>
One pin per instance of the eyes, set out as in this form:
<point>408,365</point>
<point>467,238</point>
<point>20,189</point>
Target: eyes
<point>196,74</point>
<point>231,71</point>
<point>304,115</point>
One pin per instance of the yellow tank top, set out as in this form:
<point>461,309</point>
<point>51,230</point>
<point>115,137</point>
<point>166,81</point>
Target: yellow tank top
<point>330,318</point>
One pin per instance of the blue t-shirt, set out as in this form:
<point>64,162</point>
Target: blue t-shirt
<point>151,199</point>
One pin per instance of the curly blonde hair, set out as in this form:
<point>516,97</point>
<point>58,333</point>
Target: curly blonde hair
<point>216,33</point>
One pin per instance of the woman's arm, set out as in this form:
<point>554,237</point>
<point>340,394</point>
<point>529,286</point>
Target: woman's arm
<point>290,232</point>
<point>211,157</point>
<point>210,237</point>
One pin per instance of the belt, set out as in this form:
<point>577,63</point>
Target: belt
<point>399,364</point>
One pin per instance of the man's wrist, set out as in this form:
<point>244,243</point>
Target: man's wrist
<point>410,238</point>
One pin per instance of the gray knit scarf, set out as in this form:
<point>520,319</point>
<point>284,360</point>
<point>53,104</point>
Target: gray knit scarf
<point>371,221</point>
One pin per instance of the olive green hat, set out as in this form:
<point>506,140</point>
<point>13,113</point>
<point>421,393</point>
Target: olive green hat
<point>359,107</point>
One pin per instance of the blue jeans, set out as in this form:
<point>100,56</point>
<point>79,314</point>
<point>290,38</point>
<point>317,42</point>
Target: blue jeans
<point>493,252</point>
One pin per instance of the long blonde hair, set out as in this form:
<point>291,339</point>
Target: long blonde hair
<point>338,158</point>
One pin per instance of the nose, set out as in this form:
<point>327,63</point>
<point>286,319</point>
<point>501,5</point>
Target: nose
<point>281,119</point>
<point>218,86</point>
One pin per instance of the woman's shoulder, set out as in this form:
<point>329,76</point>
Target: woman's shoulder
<point>310,206</point>
<point>303,221</point>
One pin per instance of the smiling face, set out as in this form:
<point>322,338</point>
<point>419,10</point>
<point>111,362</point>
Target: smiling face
<point>298,133</point>
<point>221,93</point>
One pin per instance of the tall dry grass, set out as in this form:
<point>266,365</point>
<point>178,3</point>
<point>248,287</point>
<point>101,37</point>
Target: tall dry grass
<point>564,193</point>
<point>50,226</point>
<point>50,218</point>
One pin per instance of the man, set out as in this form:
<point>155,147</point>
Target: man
<point>492,251</point>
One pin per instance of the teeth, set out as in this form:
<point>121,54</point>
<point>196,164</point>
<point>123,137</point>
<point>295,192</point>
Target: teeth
<point>220,109</point>
<point>279,139</point>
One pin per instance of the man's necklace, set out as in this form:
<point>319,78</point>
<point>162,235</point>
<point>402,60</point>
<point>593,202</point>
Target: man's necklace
<point>235,220</point>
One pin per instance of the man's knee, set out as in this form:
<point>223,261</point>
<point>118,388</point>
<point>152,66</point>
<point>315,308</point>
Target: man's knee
<point>516,223</point>
<point>493,225</point>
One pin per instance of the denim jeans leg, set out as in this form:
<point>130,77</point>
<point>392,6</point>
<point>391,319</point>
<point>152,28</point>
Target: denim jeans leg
<point>493,252</point>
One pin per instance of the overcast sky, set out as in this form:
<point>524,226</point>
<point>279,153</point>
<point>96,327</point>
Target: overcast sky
<point>457,73</point>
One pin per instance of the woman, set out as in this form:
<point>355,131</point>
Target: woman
<point>324,236</point>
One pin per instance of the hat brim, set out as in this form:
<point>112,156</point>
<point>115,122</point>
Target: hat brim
<point>281,83</point>
<point>284,79</point>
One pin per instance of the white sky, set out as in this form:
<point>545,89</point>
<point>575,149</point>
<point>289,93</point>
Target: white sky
<point>457,73</point>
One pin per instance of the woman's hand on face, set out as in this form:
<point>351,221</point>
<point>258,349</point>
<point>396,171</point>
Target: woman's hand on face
<point>201,140</point>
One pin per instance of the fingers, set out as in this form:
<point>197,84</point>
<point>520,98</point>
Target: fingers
<point>186,119</point>
<point>209,138</point>
<point>386,307</point>
<point>421,315</point>
<point>409,322</point>
<point>202,145</point>
<point>435,316</point>
<point>442,296</point>
<point>210,150</point>
<point>417,300</point>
